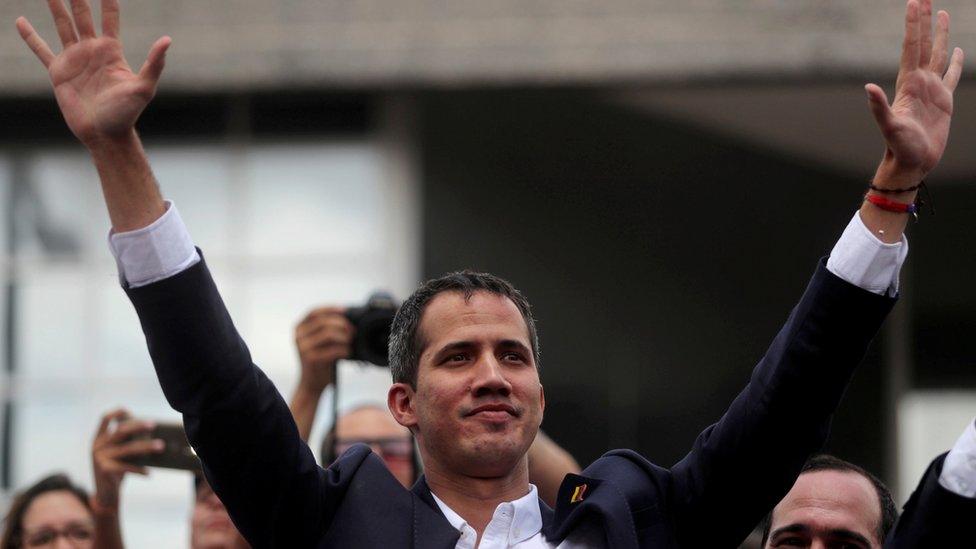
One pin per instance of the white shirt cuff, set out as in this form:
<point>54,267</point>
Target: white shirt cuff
<point>154,252</point>
<point>866,262</point>
<point>959,469</point>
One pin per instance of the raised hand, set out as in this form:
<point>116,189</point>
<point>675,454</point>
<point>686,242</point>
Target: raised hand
<point>98,93</point>
<point>323,337</point>
<point>113,442</point>
<point>916,125</point>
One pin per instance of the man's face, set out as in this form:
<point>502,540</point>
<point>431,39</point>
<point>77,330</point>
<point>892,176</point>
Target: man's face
<point>478,402</point>
<point>210,526</point>
<point>827,510</point>
<point>388,439</point>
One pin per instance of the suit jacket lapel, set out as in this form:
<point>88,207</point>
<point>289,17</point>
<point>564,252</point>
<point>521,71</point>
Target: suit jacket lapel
<point>430,528</point>
<point>588,499</point>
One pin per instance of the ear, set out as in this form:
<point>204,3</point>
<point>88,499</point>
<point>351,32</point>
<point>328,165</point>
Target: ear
<point>400,400</point>
<point>542,397</point>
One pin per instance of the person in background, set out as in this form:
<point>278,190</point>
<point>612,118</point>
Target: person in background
<point>838,504</point>
<point>53,512</point>
<point>324,337</point>
<point>833,503</point>
<point>210,525</point>
<point>119,436</point>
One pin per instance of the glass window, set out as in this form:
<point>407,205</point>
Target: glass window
<point>284,227</point>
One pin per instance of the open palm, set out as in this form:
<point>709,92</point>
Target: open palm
<point>98,93</point>
<point>916,125</point>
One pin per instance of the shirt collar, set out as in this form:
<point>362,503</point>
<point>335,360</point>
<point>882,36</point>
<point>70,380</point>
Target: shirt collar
<point>527,520</point>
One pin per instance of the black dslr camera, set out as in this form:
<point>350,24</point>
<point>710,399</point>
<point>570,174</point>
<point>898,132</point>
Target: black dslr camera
<point>372,322</point>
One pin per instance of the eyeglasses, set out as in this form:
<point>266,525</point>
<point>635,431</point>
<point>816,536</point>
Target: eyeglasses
<point>77,534</point>
<point>389,448</point>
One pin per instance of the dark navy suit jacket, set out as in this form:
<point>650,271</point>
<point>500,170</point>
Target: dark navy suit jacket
<point>934,516</point>
<point>278,496</point>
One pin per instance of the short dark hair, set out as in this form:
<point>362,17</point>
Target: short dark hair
<point>405,344</point>
<point>13,523</point>
<point>826,462</point>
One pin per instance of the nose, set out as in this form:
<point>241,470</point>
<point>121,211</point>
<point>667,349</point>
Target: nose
<point>62,542</point>
<point>490,378</point>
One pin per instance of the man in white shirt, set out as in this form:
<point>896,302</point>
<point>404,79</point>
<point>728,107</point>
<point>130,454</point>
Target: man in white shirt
<point>465,354</point>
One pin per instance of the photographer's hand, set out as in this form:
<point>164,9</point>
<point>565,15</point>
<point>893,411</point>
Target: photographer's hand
<point>113,442</point>
<point>323,337</point>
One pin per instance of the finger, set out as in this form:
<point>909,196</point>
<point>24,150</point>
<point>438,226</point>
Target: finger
<point>152,69</point>
<point>911,45</point>
<point>123,467</point>
<point>83,18</point>
<point>115,415</point>
<point>940,48</point>
<point>925,34</point>
<point>136,448</point>
<point>324,339</point>
<point>130,429</point>
<point>329,353</point>
<point>878,102</point>
<point>35,42</point>
<point>322,311</point>
<point>952,75</point>
<point>110,18</point>
<point>331,323</point>
<point>62,21</point>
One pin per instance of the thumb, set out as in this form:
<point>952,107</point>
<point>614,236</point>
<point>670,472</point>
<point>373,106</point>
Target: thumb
<point>152,69</point>
<point>878,102</point>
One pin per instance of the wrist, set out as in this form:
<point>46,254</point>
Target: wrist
<point>891,175</point>
<point>311,390</point>
<point>100,145</point>
<point>103,504</point>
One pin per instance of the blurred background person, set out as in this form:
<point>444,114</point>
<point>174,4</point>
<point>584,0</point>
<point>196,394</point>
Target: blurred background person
<point>833,503</point>
<point>210,525</point>
<point>119,438</point>
<point>53,512</point>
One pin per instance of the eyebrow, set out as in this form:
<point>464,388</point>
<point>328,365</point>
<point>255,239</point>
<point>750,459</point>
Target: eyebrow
<point>841,533</point>
<point>462,345</point>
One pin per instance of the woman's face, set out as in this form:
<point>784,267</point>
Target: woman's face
<point>58,519</point>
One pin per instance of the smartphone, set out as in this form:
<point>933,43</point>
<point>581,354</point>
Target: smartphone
<point>177,453</point>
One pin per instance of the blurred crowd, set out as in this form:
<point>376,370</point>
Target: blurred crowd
<point>58,511</point>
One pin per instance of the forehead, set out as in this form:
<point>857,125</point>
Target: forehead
<point>369,423</point>
<point>831,500</point>
<point>54,508</point>
<point>449,316</point>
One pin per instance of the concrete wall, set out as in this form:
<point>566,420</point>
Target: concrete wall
<point>247,44</point>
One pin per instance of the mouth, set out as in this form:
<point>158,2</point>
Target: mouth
<point>494,412</point>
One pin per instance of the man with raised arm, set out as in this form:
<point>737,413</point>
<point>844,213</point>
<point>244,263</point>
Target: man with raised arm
<point>464,354</point>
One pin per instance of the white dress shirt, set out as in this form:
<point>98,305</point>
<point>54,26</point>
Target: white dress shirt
<point>517,525</point>
<point>164,249</point>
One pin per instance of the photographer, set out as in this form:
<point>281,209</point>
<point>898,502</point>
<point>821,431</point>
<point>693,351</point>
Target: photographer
<point>121,438</point>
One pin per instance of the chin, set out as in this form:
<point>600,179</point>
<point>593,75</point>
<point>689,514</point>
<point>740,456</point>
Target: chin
<point>493,457</point>
<point>216,540</point>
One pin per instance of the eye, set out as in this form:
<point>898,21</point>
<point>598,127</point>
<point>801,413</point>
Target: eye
<point>457,357</point>
<point>513,356</point>
<point>791,542</point>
